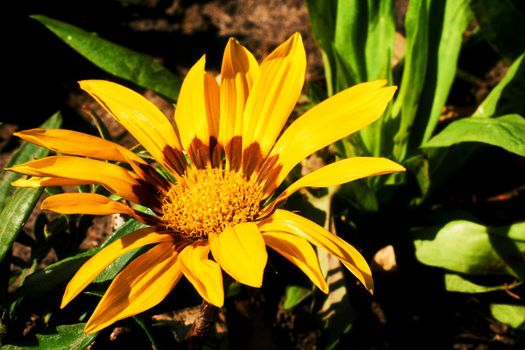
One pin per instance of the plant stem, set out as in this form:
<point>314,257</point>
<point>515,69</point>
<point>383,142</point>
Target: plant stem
<point>206,319</point>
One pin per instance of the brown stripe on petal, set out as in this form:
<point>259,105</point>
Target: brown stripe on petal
<point>216,152</point>
<point>268,174</point>
<point>233,153</point>
<point>252,158</point>
<point>199,153</point>
<point>176,159</point>
<point>151,176</point>
<point>148,195</point>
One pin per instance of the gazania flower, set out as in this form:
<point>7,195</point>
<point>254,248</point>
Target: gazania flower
<point>219,210</point>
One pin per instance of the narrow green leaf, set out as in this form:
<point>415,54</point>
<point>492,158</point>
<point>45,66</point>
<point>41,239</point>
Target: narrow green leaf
<point>322,16</point>
<point>14,215</point>
<point>380,39</point>
<point>26,152</point>
<point>445,44</point>
<point>147,330</point>
<point>457,283</point>
<point>507,96</point>
<point>507,132</point>
<point>498,22</point>
<point>62,337</point>
<point>115,59</point>
<point>512,315</point>
<point>379,49</point>
<point>351,27</point>
<point>413,78</point>
<point>470,248</point>
<point>294,295</point>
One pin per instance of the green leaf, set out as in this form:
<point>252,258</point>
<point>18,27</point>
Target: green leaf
<point>147,330</point>
<point>470,248</point>
<point>115,59</point>
<point>457,283</point>
<point>512,315</point>
<point>56,275</point>
<point>498,22</point>
<point>26,152</point>
<point>446,35</point>
<point>322,16</point>
<point>14,215</point>
<point>507,132</point>
<point>294,295</point>
<point>63,337</point>
<point>507,96</point>
<point>413,78</point>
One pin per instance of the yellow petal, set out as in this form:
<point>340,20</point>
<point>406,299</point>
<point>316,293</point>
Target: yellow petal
<point>84,203</point>
<point>337,173</point>
<point>204,274</point>
<point>77,143</point>
<point>286,221</point>
<point>329,121</point>
<point>241,252</point>
<point>106,256</point>
<point>142,119</point>
<point>274,94</point>
<point>144,283</point>
<point>300,253</point>
<point>84,170</point>
<point>239,71</point>
<point>197,112</point>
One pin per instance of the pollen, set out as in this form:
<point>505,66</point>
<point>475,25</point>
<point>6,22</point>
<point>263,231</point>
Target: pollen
<point>209,200</point>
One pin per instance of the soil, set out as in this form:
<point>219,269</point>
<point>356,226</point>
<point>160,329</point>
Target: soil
<point>41,78</point>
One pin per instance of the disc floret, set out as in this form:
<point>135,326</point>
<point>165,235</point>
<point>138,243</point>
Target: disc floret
<point>209,200</point>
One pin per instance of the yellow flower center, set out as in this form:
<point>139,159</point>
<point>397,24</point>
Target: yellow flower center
<point>209,200</point>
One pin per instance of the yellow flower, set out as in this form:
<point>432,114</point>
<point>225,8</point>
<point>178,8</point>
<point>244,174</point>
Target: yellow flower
<point>227,157</point>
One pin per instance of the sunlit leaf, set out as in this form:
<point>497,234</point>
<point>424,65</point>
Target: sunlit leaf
<point>507,132</point>
<point>512,315</point>
<point>470,248</point>
<point>115,59</point>
<point>457,283</point>
<point>294,295</point>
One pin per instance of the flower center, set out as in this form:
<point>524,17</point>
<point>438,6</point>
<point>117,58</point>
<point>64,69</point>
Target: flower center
<point>209,200</point>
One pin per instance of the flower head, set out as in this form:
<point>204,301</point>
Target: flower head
<point>227,155</point>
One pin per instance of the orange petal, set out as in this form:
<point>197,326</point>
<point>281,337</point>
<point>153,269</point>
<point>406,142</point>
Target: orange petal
<point>84,203</point>
<point>144,283</point>
<point>92,204</point>
<point>300,253</point>
<point>84,170</point>
<point>77,143</point>
<point>106,256</point>
<point>274,94</point>
<point>204,274</point>
<point>142,119</point>
<point>36,181</point>
<point>286,221</point>
<point>337,173</point>
<point>241,252</point>
<point>329,121</point>
<point>238,73</point>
